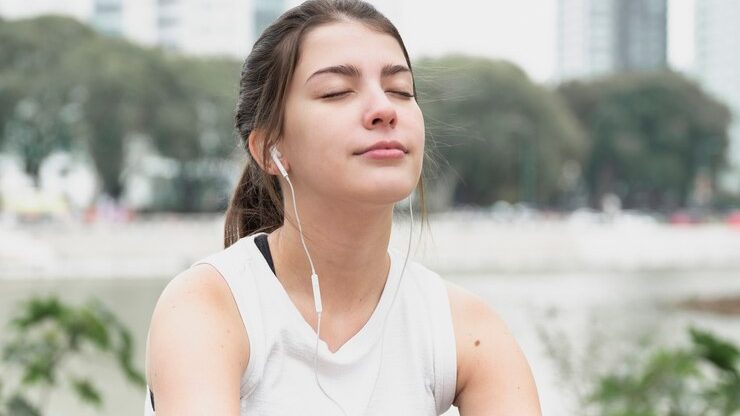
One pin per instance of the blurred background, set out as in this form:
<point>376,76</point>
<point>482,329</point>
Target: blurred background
<point>583,177</point>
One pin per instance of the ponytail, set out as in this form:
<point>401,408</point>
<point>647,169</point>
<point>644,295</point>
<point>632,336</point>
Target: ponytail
<point>256,205</point>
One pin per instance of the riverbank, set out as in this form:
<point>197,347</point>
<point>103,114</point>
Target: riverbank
<point>459,243</point>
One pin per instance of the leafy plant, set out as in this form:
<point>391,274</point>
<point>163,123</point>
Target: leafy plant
<point>702,379</point>
<point>45,335</point>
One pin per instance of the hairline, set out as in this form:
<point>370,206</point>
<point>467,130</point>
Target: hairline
<point>339,18</point>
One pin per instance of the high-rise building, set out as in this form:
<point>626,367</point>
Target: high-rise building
<point>108,16</point>
<point>206,27</point>
<point>597,37</point>
<point>717,60</point>
<point>199,27</point>
<point>125,18</point>
<point>18,9</point>
<point>265,12</point>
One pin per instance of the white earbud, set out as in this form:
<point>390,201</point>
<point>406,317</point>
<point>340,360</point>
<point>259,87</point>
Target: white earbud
<point>275,153</point>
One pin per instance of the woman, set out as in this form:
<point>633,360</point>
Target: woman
<point>307,311</point>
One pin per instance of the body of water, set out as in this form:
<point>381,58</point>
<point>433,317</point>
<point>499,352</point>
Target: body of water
<point>594,316</point>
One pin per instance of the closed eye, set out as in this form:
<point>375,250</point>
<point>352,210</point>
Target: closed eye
<point>403,94</point>
<point>342,93</point>
<point>335,94</point>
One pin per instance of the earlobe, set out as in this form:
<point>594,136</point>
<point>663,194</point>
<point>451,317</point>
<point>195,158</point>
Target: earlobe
<point>276,155</point>
<point>255,143</point>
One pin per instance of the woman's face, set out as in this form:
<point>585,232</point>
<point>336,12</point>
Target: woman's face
<point>350,90</point>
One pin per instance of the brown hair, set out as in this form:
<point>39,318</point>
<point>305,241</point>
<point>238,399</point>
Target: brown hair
<point>257,203</point>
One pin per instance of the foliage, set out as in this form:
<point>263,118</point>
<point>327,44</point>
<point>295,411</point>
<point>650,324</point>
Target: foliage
<point>38,107</point>
<point>647,137</point>
<point>45,335</point>
<point>506,137</point>
<point>652,133</point>
<point>63,86</point>
<point>701,379</point>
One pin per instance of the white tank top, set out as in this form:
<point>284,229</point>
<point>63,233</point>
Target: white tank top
<point>419,367</point>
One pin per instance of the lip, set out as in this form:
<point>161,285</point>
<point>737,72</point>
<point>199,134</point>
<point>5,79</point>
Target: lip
<point>380,154</point>
<point>384,146</point>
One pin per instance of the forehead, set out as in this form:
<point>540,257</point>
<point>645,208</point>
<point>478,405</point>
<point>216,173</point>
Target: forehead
<point>347,42</point>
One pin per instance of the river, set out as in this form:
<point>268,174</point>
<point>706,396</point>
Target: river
<point>610,311</point>
<point>588,317</point>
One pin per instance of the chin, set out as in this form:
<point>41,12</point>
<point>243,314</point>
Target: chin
<point>385,194</point>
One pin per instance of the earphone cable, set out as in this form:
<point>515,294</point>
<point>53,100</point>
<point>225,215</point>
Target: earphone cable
<point>314,278</point>
<point>300,229</point>
<point>390,308</point>
<point>317,301</point>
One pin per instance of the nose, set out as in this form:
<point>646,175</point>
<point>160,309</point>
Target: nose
<point>380,112</point>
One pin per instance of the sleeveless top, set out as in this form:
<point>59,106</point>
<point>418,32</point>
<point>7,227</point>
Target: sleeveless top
<point>409,367</point>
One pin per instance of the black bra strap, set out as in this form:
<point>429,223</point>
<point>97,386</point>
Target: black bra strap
<point>264,247</point>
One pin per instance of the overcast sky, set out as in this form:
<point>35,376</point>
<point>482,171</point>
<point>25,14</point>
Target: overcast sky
<point>522,31</point>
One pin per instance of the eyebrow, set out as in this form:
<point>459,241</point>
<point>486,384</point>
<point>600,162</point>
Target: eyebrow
<point>354,72</point>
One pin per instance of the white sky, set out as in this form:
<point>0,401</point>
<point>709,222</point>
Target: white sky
<point>522,31</point>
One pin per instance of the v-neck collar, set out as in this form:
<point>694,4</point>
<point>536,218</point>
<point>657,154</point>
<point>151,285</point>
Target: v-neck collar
<point>361,341</point>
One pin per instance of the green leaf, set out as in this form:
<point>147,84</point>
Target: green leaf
<point>36,310</point>
<point>723,354</point>
<point>86,391</point>
<point>19,406</point>
<point>96,330</point>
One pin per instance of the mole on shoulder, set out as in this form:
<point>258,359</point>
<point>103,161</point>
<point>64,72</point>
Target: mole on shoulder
<point>477,342</point>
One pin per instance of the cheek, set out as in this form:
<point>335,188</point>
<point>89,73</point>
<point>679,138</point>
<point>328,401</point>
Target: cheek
<point>415,122</point>
<point>315,143</point>
<point>417,137</point>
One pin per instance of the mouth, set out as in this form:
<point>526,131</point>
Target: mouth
<point>389,147</point>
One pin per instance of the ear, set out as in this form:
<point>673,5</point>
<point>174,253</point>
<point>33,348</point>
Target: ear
<point>255,142</point>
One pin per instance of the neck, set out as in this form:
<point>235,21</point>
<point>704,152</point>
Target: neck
<point>349,249</point>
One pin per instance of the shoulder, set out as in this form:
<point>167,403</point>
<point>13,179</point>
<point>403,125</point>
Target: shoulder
<point>196,321</point>
<point>493,376</point>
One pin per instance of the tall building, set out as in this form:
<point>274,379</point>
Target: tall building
<point>717,60</point>
<point>108,16</point>
<point>265,12</point>
<point>596,37</point>
<point>206,27</point>
<point>130,19</point>
<point>197,27</point>
<point>19,9</point>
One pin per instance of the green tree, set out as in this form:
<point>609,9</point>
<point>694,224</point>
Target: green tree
<point>652,134</point>
<point>63,86</point>
<point>505,137</point>
<point>39,109</point>
<point>119,80</point>
<point>193,124</point>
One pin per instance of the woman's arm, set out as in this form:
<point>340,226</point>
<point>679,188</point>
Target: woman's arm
<point>493,377</point>
<point>197,348</point>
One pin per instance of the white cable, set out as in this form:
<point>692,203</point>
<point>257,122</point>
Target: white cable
<point>318,306</point>
<point>390,308</point>
<point>316,368</point>
<point>317,300</point>
<point>300,229</point>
